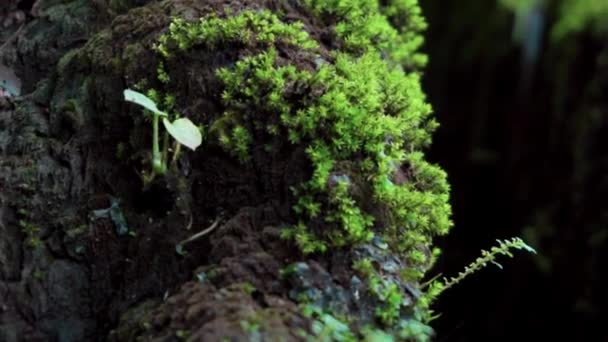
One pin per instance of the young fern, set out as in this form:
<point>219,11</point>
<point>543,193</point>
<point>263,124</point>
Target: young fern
<point>435,287</point>
<point>486,257</point>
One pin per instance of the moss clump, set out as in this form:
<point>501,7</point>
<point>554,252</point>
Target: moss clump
<point>367,26</point>
<point>32,233</point>
<point>363,112</point>
<point>248,28</point>
<point>360,118</point>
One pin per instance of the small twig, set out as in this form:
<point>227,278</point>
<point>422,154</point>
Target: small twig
<point>176,153</point>
<point>202,233</point>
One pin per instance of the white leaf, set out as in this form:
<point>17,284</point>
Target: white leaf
<point>185,132</point>
<point>142,100</point>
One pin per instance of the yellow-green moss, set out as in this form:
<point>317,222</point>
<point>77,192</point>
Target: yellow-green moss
<point>365,25</point>
<point>362,120</point>
<point>248,27</point>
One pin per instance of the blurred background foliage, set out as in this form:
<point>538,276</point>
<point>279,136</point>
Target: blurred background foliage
<point>521,91</point>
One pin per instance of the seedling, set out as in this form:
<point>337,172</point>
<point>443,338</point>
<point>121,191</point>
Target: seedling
<point>182,130</point>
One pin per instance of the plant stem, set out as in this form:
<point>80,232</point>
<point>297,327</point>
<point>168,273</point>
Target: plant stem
<point>157,162</point>
<point>176,153</point>
<point>165,152</point>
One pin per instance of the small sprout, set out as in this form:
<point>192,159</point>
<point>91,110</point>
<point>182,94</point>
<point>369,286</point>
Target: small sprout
<point>182,130</point>
<point>185,132</point>
<point>142,100</point>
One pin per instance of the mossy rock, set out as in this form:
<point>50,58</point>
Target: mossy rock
<point>317,124</point>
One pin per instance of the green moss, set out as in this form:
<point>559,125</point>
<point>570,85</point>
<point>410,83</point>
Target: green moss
<point>32,233</point>
<point>248,28</point>
<point>327,327</point>
<point>38,274</point>
<point>182,335</point>
<point>368,112</point>
<point>250,327</point>
<point>361,119</point>
<point>248,288</point>
<point>576,15</point>
<point>364,267</point>
<point>162,74</point>
<point>120,151</point>
<point>365,25</point>
<point>386,291</point>
<point>66,60</point>
<point>345,213</point>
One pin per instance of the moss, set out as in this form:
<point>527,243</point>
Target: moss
<point>132,53</point>
<point>248,288</point>
<point>386,292</point>
<point>65,60</point>
<point>327,327</point>
<point>369,113</point>
<point>248,28</point>
<point>575,16</point>
<point>99,50</point>
<point>361,118</point>
<point>182,335</point>
<point>32,233</point>
<point>38,274</point>
<point>365,25</point>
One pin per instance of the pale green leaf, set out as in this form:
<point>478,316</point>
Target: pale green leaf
<point>142,100</point>
<point>185,132</point>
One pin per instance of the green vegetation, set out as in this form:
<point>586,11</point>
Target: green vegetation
<point>361,117</point>
<point>437,287</point>
<point>371,116</point>
<point>249,28</point>
<point>577,15</point>
<point>182,335</point>
<point>326,327</point>
<point>387,292</point>
<point>366,26</point>
<point>31,232</point>
<point>503,248</point>
<point>362,121</point>
<point>182,130</point>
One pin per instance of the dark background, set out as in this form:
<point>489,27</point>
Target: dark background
<point>526,150</point>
